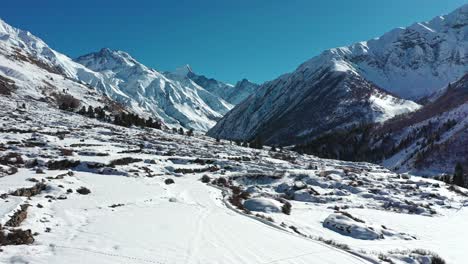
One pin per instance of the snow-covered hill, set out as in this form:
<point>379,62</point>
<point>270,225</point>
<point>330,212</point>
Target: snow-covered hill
<point>325,92</point>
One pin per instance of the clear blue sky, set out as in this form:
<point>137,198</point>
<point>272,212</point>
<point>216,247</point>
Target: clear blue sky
<point>225,39</point>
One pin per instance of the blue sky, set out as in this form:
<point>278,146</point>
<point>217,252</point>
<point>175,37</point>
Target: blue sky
<point>227,40</point>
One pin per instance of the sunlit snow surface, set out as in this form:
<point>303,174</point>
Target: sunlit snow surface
<point>192,222</point>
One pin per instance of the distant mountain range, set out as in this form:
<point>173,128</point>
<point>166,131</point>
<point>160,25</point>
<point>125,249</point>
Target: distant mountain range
<point>367,82</point>
<point>399,100</point>
<point>174,99</point>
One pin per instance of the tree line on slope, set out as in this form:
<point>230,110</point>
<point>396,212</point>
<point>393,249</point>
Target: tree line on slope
<point>69,103</point>
<point>362,143</point>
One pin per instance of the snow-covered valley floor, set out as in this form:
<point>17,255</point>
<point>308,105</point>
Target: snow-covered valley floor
<point>135,214</point>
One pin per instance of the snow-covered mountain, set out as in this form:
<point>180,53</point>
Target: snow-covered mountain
<point>410,62</point>
<point>233,94</point>
<point>429,141</point>
<point>115,74</point>
<point>177,101</point>
<point>296,106</point>
<point>326,92</point>
<point>30,70</point>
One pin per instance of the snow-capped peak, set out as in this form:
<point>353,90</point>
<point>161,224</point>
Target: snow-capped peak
<point>107,59</point>
<point>183,70</point>
<point>4,27</point>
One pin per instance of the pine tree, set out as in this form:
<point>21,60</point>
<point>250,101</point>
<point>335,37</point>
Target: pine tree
<point>100,114</point>
<point>257,143</point>
<point>118,120</point>
<point>458,178</point>
<point>181,131</point>
<point>149,122</point>
<point>82,111</point>
<point>190,132</point>
<point>90,112</point>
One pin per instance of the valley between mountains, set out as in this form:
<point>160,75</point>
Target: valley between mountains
<point>360,155</point>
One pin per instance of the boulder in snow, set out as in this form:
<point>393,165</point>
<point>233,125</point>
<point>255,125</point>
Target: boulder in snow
<point>263,205</point>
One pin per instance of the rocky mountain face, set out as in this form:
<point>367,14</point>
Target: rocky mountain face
<point>326,92</point>
<point>234,94</point>
<point>175,100</point>
<point>431,140</point>
<point>294,107</point>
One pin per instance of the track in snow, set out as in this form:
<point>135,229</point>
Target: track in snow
<point>197,228</point>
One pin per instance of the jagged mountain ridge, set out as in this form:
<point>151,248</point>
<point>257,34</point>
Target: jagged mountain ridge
<point>118,76</point>
<point>409,62</point>
<point>176,101</point>
<point>233,94</point>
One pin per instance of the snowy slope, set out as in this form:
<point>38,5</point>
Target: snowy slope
<point>429,141</point>
<point>131,214</point>
<point>28,72</point>
<point>17,44</point>
<point>304,104</point>
<point>176,101</point>
<point>439,129</point>
<point>410,62</point>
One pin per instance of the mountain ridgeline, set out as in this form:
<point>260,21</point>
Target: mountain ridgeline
<point>358,102</point>
<point>173,99</point>
<point>385,100</point>
<point>366,82</point>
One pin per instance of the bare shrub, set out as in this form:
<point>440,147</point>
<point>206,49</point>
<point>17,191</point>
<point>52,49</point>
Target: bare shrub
<point>334,243</point>
<point>221,181</point>
<point>6,85</point>
<point>83,190</point>
<point>205,179</point>
<point>123,161</point>
<point>286,208</point>
<point>435,258</point>
<point>238,197</point>
<point>268,218</point>
<point>66,152</point>
<point>67,102</point>
<point>169,181</point>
